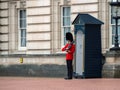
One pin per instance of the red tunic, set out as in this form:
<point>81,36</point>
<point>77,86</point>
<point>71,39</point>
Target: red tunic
<point>70,52</point>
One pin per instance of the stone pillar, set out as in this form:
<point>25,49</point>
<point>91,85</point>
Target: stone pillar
<point>111,68</point>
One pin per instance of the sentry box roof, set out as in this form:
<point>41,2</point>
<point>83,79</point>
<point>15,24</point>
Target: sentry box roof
<point>86,19</point>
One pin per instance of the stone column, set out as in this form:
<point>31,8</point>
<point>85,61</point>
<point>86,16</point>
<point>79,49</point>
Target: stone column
<point>111,68</point>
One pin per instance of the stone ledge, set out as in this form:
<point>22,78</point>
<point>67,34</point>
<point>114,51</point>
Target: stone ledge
<point>112,54</point>
<point>30,55</point>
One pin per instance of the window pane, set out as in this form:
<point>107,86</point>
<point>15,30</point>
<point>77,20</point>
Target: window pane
<point>23,42</point>
<point>119,21</point>
<point>113,34</point>
<point>113,13</point>
<point>23,37</point>
<point>119,30</point>
<point>112,21</point>
<point>66,11</point>
<point>113,39</point>
<point>119,38</point>
<point>114,0</point>
<point>22,26</point>
<point>23,23</point>
<point>119,33</point>
<point>113,30</point>
<point>66,29</point>
<point>23,33</point>
<point>66,21</point>
<point>22,18</point>
<point>22,14</point>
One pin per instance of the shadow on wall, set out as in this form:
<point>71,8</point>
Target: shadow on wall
<point>26,70</point>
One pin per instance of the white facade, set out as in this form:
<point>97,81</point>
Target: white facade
<point>44,30</point>
<point>34,31</point>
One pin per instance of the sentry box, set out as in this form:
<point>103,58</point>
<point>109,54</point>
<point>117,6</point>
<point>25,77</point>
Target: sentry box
<point>88,57</point>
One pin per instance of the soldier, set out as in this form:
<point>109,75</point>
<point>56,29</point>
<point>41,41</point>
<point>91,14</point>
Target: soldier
<point>70,49</point>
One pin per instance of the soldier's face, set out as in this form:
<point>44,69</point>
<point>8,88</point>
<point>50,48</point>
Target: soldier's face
<point>69,41</point>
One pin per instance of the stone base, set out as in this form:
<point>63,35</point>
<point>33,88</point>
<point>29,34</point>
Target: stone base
<point>111,68</point>
<point>33,70</point>
<point>111,71</point>
<point>53,65</point>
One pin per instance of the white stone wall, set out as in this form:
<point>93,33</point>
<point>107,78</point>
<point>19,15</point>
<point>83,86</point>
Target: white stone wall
<point>37,3</point>
<point>44,24</point>
<point>81,6</point>
<point>105,16</point>
<point>38,26</point>
<point>4,22</point>
<point>83,1</point>
<point>38,10</point>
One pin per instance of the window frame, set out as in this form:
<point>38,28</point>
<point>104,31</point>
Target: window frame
<point>19,32</point>
<point>111,30</point>
<point>62,27</point>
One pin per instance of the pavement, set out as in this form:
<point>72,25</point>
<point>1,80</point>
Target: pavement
<point>36,83</point>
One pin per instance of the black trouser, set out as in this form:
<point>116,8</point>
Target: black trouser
<point>69,68</point>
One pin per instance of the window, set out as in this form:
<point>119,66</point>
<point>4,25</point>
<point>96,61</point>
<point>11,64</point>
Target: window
<point>66,22</point>
<point>22,29</point>
<point>114,28</point>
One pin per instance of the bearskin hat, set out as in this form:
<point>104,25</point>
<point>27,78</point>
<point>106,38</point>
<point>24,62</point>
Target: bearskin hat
<point>69,36</point>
